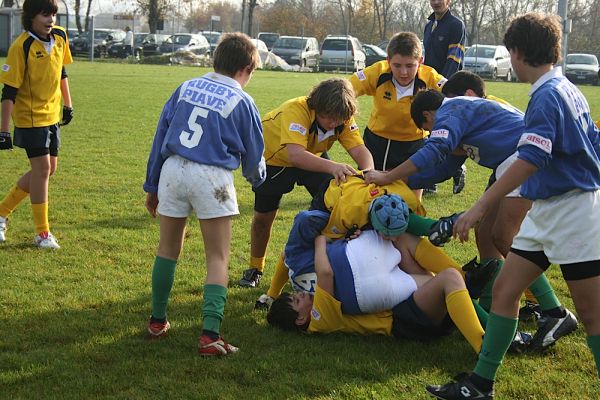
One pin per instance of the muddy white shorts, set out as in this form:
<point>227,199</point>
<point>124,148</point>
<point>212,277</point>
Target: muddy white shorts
<point>185,185</point>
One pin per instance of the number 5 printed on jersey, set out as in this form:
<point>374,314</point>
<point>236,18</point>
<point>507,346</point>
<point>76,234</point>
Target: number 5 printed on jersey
<point>191,139</point>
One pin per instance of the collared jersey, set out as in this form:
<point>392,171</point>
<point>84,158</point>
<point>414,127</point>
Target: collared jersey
<point>209,120</point>
<point>487,130</point>
<point>37,75</point>
<point>326,317</point>
<point>560,138</point>
<point>294,122</point>
<point>349,203</point>
<point>444,45</point>
<point>390,118</point>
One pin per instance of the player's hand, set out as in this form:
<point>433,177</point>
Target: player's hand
<point>340,171</point>
<point>67,115</point>
<point>468,220</point>
<point>152,203</point>
<point>376,177</point>
<point>5,141</point>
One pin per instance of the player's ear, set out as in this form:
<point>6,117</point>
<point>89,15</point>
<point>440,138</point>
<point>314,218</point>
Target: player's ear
<point>470,93</point>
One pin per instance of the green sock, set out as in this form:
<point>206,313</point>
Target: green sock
<point>481,314</point>
<point>215,297</point>
<point>594,343</point>
<point>419,226</point>
<point>499,334</point>
<point>544,293</point>
<point>485,300</point>
<point>163,275</point>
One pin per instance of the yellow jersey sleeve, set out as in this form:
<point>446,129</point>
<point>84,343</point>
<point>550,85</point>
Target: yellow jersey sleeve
<point>327,317</point>
<point>13,70</point>
<point>598,124</point>
<point>350,136</point>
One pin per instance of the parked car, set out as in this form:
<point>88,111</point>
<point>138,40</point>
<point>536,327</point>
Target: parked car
<point>373,54</point>
<point>260,45</point>
<point>582,68</point>
<point>269,38</point>
<point>185,41</point>
<point>102,39</point>
<point>297,50</point>
<point>342,52</point>
<point>118,49</point>
<point>489,61</point>
<point>213,39</point>
<point>151,44</point>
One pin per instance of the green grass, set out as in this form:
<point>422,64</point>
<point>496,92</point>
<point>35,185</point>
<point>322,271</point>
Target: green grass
<point>73,321</point>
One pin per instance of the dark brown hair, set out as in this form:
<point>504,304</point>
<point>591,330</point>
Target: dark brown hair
<point>537,38</point>
<point>31,8</point>
<point>282,315</point>
<point>461,81</point>
<point>334,98</point>
<point>235,52</point>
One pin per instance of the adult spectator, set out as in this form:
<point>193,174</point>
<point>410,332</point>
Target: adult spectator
<point>444,39</point>
<point>128,41</point>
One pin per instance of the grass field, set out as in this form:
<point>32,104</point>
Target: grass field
<point>72,321</point>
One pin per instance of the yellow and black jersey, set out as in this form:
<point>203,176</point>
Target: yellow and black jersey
<point>326,317</point>
<point>390,118</point>
<point>598,124</point>
<point>35,69</point>
<point>349,203</point>
<point>294,122</point>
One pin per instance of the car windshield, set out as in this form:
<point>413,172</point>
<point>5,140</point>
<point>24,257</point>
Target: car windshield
<point>481,52</point>
<point>375,50</point>
<point>337,44</point>
<point>582,59</point>
<point>139,38</point>
<point>212,38</point>
<point>181,39</point>
<point>101,34</point>
<point>290,43</point>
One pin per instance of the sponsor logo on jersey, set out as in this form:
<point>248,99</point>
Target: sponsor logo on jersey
<point>6,68</point>
<point>441,133</point>
<point>441,82</point>
<point>373,192</point>
<point>294,127</point>
<point>536,140</point>
<point>361,75</point>
<point>315,314</point>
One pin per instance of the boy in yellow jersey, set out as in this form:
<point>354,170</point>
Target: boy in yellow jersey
<point>297,136</point>
<point>391,136</point>
<point>360,289</point>
<point>35,82</point>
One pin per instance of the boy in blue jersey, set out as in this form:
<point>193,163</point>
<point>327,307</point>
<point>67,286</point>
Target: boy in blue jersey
<point>558,167</point>
<point>190,170</point>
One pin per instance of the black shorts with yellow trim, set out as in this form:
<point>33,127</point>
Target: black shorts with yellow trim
<point>387,153</point>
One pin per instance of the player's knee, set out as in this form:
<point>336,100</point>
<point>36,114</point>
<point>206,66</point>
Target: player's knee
<point>453,278</point>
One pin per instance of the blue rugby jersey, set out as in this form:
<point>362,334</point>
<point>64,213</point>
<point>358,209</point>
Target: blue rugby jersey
<point>560,138</point>
<point>487,130</point>
<point>209,120</point>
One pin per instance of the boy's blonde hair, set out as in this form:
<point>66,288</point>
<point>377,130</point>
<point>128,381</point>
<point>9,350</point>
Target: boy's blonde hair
<point>536,37</point>
<point>235,52</point>
<point>334,98</point>
<point>406,44</point>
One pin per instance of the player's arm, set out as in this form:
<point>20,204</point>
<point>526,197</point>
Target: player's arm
<point>322,265</point>
<point>402,171</point>
<point>514,176</point>
<point>363,157</point>
<point>254,168</point>
<point>304,159</point>
<point>9,94</point>
<point>67,114</point>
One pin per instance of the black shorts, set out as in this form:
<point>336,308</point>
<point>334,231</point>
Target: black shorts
<point>281,180</point>
<point>410,322</point>
<point>388,154</point>
<point>38,141</point>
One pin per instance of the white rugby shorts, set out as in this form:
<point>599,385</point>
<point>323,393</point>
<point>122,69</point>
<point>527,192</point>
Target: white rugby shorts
<point>379,283</point>
<point>566,228</point>
<point>185,185</point>
<point>501,169</point>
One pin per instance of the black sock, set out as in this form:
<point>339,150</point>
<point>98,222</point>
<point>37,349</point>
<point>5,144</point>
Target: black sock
<point>483,384</point>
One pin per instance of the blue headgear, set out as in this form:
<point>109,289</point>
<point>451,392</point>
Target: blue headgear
<point>389,215</point>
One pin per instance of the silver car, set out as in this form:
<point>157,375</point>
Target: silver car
<point>582,68</point>
<point>297,50</point>
<point>342,53</point>
<point>491,62</point>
